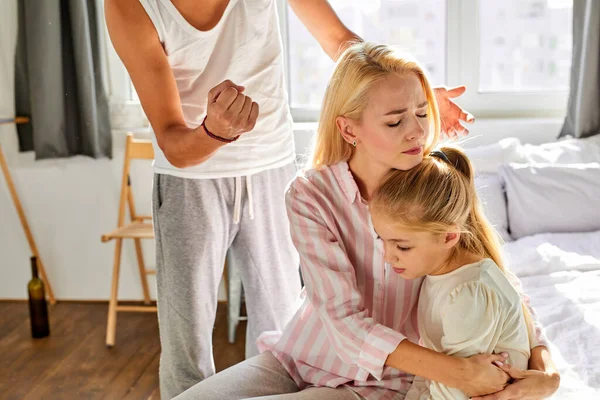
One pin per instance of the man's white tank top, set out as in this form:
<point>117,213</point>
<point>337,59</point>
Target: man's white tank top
<point>245,47</point>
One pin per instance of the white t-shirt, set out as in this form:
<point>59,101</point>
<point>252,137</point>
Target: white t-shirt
<point>245,47</point>
<point>471,310</point>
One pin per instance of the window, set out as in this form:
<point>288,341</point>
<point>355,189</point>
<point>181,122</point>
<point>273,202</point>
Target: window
<point>133,96</point>
<point>513,55</point>
<point>524,45</point>
<point>416,27</point>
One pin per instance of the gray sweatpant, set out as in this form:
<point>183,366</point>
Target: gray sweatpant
<point>261,377</point>
<point>196,223</point>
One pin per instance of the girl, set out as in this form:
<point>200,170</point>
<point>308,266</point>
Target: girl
<point>432,226</point>
<point>347,340</point>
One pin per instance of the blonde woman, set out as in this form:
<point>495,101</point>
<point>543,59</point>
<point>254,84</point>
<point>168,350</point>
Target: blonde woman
<point>354,335</point>
<point>432,227</point>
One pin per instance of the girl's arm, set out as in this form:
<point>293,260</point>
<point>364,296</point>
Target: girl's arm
<point>542,379</point>
<point>540,338</point>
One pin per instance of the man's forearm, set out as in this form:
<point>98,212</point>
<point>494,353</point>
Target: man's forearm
<point>323,23</point>
<point>184,147</point>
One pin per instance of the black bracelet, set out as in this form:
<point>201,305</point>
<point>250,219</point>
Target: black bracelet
<point>219,138</point>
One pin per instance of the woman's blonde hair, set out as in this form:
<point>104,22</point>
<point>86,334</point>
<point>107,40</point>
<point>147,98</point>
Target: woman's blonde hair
<point>436,196</point>
<point>357,70</point>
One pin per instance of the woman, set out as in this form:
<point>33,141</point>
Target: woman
<point>347,340</point>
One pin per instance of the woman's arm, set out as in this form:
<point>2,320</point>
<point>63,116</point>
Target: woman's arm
<point>451,371</point>
<point>356,338</point>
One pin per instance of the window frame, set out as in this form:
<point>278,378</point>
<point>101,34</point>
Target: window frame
<point>463,42</point>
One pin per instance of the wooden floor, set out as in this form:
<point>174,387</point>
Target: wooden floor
<point>74,363</point>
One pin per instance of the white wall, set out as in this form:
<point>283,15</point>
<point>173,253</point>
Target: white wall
<point>70,203</point>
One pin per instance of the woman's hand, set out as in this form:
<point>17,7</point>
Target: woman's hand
<point>527,385</point>
<point>450,113</point>
<point>482,376</point>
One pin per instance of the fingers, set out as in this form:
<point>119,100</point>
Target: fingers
<point>236,107</point>
<point>227,97</point>
<point>455,91</point>
<point>215,92</point>
<point>467,117</point>
<point>230,113</point>
<point>501,358</point>
<point>446,130</point>
<point>253,115</point>
<point>245,112</point>
<point>461,130</point>
<point>513,372</point>
<point>455,131</point>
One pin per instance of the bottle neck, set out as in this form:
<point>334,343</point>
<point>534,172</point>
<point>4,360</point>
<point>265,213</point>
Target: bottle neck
<point>34,268</point>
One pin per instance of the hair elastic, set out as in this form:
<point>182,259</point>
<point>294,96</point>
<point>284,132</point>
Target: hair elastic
<point>440,154</point>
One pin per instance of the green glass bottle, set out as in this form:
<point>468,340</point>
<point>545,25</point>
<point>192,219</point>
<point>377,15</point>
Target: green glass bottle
<point>38,309</point>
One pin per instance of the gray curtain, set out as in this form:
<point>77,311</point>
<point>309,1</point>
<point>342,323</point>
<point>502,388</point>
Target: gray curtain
<point>59,81</point>
<point>583,114</point>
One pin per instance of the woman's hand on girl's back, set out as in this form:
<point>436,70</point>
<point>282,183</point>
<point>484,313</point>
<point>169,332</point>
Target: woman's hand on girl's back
<point>451,113</point>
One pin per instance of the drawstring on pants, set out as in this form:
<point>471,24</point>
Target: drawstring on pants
<point>237,207</point>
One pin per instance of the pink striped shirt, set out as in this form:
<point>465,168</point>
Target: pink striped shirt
<point>355,311</point>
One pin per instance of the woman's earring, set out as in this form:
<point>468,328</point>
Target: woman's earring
<point>354,143</point>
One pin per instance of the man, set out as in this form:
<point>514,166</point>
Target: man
<point>209,75</point>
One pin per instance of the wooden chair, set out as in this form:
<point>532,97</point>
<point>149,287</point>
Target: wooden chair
<point>140,227</point>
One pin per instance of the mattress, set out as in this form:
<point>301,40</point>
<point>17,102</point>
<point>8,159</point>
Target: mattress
<point>561,274</point>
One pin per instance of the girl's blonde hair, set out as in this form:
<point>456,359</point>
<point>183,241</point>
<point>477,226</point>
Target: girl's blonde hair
<point>437,195</point>
<point>357,70</point>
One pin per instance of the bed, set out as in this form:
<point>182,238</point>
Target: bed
<point>561,274</point>
<point>544,200</point>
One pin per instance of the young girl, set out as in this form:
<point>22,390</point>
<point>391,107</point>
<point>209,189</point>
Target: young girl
<point>347,340</point>
<point>432,226</point>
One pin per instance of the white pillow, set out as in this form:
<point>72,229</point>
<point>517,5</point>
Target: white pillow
<point>491,194</point>
<point>546,198</point>
<point>486,159</point>
<point>568,151</point>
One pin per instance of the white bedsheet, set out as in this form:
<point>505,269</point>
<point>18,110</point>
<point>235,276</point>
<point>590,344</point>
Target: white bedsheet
<point>561,274</point>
